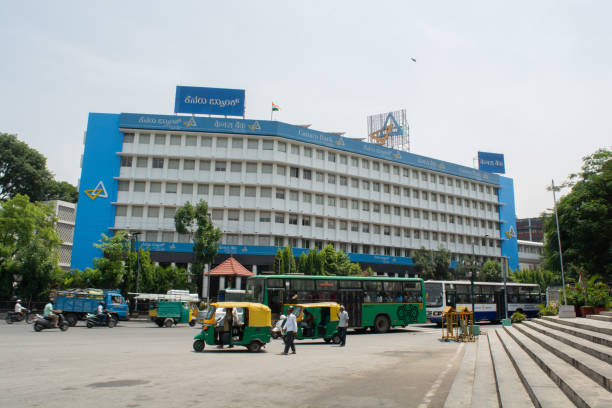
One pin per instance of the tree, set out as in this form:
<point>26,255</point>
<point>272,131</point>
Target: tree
<point>22,170</point>
<point>328,261</point>
<point>491,272</point>
<point>585,220</point>
<point>542,277</point>
<point>432,264</point>
<point>196,222</point>
<point>61,190</point>
<point>28,248</point>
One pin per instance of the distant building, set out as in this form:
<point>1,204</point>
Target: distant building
<point>530,254</point>
<point>530,229</point>
<point>65,213</point>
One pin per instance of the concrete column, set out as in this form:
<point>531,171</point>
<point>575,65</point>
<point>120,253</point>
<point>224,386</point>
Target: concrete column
<point>221,282</point>
<point>238,282</point>
<point>205,283</point>
<point>254,269</point>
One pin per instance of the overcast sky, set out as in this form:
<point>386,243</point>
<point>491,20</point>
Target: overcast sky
<point>529,79</point>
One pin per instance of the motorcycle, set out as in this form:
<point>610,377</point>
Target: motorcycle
<point>42,322</point>
<point>277,330</point>
<point>13,317</point>
<point>102,319</point>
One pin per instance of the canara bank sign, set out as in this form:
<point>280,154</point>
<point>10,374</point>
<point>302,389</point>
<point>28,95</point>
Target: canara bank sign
<point>209,101</point>
<point>491,162</point>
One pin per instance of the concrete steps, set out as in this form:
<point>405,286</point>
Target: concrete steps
<point>540,363</point>
<point>606,313</point>
<point>604,353</point>
<point>595,337</point>
<point>581,323</point>
<point>603,318</point>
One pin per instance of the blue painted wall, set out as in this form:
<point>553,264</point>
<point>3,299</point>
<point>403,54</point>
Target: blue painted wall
<point>100,163</point>
<point>507,217</point>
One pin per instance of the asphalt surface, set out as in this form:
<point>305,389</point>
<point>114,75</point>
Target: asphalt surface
<point>138,364</point>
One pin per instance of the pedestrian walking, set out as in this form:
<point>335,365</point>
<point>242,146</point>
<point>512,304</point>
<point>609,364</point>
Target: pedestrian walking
<point>290,330</point>
<point>343,319</point>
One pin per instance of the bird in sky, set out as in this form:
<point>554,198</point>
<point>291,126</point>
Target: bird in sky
<point>413,59</point>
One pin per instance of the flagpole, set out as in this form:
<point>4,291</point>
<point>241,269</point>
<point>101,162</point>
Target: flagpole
<point>271,110</point>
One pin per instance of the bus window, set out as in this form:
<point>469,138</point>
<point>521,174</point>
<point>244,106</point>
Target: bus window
<point>412,292</point>
<point>304,289</point>
<point>392,292</point>
<point>372,290</point>
<point>463,294</point>
<point>484,294</point>
<point>433,294</point>
<point>255,290</point>
<point>276,283</point>
<point>513,294</point>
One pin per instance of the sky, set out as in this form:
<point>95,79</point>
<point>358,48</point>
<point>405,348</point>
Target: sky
<point>531,80</point>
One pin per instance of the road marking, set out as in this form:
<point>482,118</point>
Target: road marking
<point>434,387</point>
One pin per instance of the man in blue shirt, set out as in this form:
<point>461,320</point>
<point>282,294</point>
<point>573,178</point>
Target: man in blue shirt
<point>48,313</point>
<point>290,330</point>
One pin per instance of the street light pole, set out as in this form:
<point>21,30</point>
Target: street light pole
<point>135,235</point>
<point>559,240</point>
<point>472,277</point>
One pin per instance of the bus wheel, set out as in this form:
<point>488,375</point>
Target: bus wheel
<point>381,324</point>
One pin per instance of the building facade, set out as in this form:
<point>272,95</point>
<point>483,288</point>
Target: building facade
<point>65,214</point>
<point>530,229</point>
<point>530,254</point>
<point>270,184</point>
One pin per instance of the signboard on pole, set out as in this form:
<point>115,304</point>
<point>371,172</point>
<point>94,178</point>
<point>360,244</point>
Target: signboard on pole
<point>491,162</point>
<point>209,101</point>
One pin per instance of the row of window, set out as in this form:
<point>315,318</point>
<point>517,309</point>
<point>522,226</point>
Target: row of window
<point>294,172</point>
<point>305,151</point>
<point>294,242</point>
<point>220,190</point>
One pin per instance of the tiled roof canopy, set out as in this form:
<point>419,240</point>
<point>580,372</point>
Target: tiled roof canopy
<point>230,267</point>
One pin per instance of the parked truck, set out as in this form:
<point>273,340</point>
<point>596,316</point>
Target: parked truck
<point>77,303</point>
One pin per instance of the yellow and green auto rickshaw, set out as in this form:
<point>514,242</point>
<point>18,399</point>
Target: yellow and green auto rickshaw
<point>315,321</point>
<point>248,325</point>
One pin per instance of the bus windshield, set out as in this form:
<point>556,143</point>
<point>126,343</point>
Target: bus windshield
<point>433,293</point>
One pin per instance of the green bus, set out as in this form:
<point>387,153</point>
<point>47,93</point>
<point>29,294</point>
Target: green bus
<point>378,302</point>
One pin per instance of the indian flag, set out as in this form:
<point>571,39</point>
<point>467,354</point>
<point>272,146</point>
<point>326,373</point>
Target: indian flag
<point>275,107</point>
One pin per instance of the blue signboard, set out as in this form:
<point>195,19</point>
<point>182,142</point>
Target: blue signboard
<point>491,162</point>
<point>209,101</point>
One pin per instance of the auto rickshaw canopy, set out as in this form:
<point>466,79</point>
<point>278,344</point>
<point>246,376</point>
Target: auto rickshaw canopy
<point>259,314</point>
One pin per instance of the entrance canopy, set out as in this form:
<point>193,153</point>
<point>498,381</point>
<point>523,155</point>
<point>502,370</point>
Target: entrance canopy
<point>230,267</point>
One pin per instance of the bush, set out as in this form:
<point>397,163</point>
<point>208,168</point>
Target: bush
<point>517,317</point>
<point>550,310</point>
<point>575,295</point>
<point>598,295</point>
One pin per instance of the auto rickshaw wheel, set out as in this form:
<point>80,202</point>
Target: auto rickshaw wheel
<point>254,346</point>
<point>168,322</point>
<point>198,345</point>
<point>192,323</point>
<point>159,322</point>
<point>327,340</point>
<point>336,338</point>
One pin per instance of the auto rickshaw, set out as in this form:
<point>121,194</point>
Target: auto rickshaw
<point>315,321</point>
<point>166,313</point>
<point>250,326</point>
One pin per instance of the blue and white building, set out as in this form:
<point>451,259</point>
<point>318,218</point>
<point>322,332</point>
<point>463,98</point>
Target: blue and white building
<point>270,184</point>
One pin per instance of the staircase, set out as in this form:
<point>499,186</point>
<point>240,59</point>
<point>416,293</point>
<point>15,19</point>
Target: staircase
<point>548,362</point>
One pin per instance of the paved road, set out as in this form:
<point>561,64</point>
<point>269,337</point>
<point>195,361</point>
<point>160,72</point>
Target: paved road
<point>138,364</point>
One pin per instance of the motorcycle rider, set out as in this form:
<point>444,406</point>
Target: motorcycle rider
<point>19,308</point>
<point>100,312</point>
<point>49,314</point>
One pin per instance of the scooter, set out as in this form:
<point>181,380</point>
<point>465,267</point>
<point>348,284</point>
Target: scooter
<point>13,317</point>
<point>102,319</point>
<point>42,322</point>
<point>277,330</point>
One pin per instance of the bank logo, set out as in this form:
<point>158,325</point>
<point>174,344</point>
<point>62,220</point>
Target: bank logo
<point>510,233</point>
<point>98,191</point>
<point>255,126</point>
<point>191,122</point>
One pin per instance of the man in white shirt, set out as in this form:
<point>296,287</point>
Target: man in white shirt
<point>290,330</point>
<point>18,307</point>
<point>343,319</point>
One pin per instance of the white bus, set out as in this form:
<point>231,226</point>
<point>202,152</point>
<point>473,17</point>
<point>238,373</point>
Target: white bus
<point>488,299</point>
